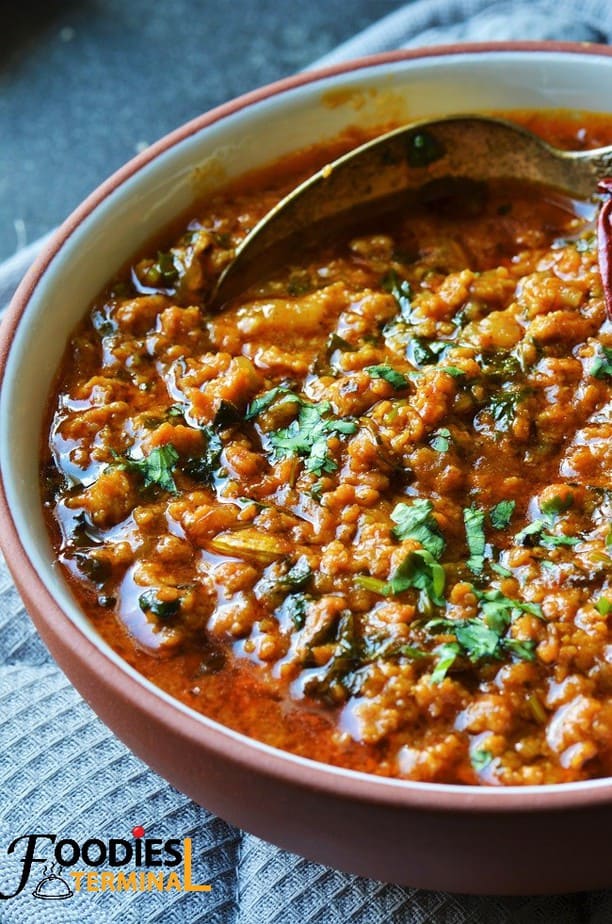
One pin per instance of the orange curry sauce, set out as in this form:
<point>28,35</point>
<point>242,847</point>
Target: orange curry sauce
<point>364,513</point>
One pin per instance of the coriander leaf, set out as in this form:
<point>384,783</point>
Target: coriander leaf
<point>447,655</point>
<point>299,574</point>
<point>556,505</point>
<point>227,414</point>
<point>480,759</point>
<point>480,640</point>
<point>441,440</point>
<point>336,342</point>
<point>308,436</point>
<point>603,606</point>
<point>164,609</point>
<point>204,466</point>
<point>502,408</point>
<point>498,610</point>
<point>263,402</point>
<point>156,468</point>
<point>473,519</point>
<point>477,639</point>
<point>420,571</point>
<point>501,514</point>
<point>455,371</point>
<point>425,352</point>
<point>550,541</point>
<point>499,569</point>
<point>522,649</point>
<point>602,364</point>
<point>293,609</point>
<point>400,290</point>
<point>416,521</point>
<point>374,585</point>
<point>389,374</point>
<point>535,533</point>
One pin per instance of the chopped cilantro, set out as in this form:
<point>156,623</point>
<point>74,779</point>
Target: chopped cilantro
<point>499,610</point>
<point>454,371</point>
<point>308,436</point>
<point>501,514</point>
<point>399,289</point>
<point>556,505</point>
<point>416,521</point>
<point>299,574</point>
<point>422,352</point>
<point>473,519</point>
<point>336,342</point>
<point>419,571</point>
<point>502,408</point>
<point>535,533</point>
<point>602,364</point>
<point>156,468</point>
<point>162,272</point>
<point>475,640</point>
<point>441,439</point>
<point>480,759</point>
<point>604,606</point>
<point>389,374</point>
<point>163,609</point>
<point>203,466</point>
<point>499,569</point>
<point>263,402</point>
<point>227,414</point>
<point>293,609</point>
<point>174,412</point>
<point>447,654</point>
<point>586,243</point>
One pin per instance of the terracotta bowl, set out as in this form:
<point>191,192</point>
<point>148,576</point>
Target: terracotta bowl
<point>482,840</point>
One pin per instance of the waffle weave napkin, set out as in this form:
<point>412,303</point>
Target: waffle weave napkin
<point>62,771</point>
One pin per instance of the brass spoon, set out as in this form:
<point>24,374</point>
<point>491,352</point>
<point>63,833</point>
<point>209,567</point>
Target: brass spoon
<point>472,148</point>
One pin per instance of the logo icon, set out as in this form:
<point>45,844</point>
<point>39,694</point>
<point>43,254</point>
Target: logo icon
<point>52,887</point>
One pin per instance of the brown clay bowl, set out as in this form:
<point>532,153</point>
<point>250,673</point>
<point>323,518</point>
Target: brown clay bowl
<point>481,839</point>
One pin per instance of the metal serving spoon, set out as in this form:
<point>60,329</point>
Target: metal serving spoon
<point>415,158</point>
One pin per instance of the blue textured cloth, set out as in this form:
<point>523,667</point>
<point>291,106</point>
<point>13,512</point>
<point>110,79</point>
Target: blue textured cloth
<point>61,770</point>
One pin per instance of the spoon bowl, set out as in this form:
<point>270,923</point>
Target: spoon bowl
<point>408,160</point>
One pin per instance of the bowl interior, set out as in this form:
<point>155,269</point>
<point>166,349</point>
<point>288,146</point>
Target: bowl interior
<point>163,182</point>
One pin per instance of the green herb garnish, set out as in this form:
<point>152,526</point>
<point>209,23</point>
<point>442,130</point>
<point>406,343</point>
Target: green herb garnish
<point>602,364</point>
<point>473,519</point>
<point>536,533</point>
<point>454,371</point>
<point>308,436</point>
<point>425,352</point>
<point>389,374</point>
<point>204,466</point>
<point>501,514</point>
<point>293,609</point>
<point>441,440</point>
<point>163,609</point>
<point>603,606</point>
<point>263,402</point>
<point>400,290</point>
<point>556,505</point>
<point>416,521</point>
<point>156,468</point>
<point>502,408</point>
<point>480,759</point>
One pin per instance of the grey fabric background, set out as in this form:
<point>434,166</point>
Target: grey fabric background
<point>61,770</point>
